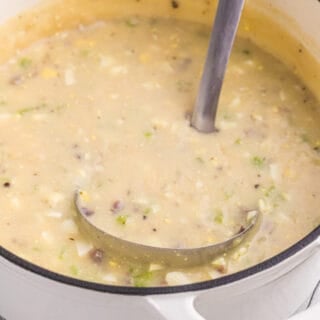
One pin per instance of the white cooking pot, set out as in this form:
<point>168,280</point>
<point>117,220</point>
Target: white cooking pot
<point>272,290</point>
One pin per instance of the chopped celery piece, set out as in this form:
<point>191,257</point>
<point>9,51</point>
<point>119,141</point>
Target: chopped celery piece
<point>74,270</point>
<point>122,220</point>
<point>218,218</point>
<point>148,134</point>
<point>258,161</point>
<point>141,278</point>
<point>24,111</point>
<point>25,62</point>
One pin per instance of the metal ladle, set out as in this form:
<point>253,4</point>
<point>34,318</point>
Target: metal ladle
<point>221,42</point>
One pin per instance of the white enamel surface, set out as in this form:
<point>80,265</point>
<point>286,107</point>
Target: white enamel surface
<point>27,296</point>
<point>274,294</point>
<point>306,14</point>
<point>12,8</point>
<point>312,314</point>
<point>176,307</point>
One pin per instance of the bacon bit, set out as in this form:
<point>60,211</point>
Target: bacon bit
<point>87,212</point>
<point>16,80</point>
<point>221,269</point>
<point>96,255</point>
<point>220,265</point>
<point>117,206</point>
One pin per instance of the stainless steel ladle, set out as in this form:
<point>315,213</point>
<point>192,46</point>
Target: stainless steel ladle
<point>221,42</point>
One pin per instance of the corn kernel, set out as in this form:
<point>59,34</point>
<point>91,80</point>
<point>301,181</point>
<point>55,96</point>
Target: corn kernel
<point>49,73</point>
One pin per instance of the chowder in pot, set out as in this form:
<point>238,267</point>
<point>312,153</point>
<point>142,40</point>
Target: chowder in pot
<point>105,106</point>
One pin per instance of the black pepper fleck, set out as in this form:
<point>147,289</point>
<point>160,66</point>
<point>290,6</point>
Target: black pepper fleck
<point>175,4</point>
<point>154,230</point>
<point>7,184</point>
<point>257,186</point>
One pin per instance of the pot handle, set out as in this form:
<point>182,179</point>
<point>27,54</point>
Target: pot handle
<point>175,307</point>
<point>310,314</point>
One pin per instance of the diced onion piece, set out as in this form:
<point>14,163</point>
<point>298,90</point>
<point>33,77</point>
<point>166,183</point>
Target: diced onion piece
<point>238,70</point>
<point>141,201</point>
<point>199,184</point>
<point>69,77</point>
<point>47,237</point>
<point>282,95</point>
<point>220,264</point>
<point>110,278</point>
<point>54,198</point>
<point>114,96</point>
<point>16,203</point>
<point>275,172</point>
<point>106,61</point>
<point>224,125</point>
<point>69,226</point>
<point>256,117</point>
<point>239,253</point>
<point>235,102</point>
<point>55,214</point>
<point>155,208</point>
<point>83,248</point>
<point>150,85</point>
<point>166,67</point>
<point>39,117</point>
<point>251,215</point>
<point>119,70</point>
<point>159,123</point>
<point>250,62</point>
<point>264,206</point>
<point>177,278</point>
<point>155,267</point>
<point>214,274</point>
<point>5,116</point>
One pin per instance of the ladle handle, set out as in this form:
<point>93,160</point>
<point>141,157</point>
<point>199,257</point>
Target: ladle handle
<point>176,307</point>
<point>221,43</point>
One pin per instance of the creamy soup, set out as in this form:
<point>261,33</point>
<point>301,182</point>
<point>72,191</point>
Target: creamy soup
<point>105,108</point>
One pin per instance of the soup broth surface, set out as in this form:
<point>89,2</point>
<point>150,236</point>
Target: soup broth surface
<point>106,108</point>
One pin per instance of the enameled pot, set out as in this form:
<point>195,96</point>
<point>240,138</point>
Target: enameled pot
<point>272,290</point>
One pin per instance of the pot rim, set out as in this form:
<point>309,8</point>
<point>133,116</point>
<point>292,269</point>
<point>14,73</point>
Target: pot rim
<point>125,290</point>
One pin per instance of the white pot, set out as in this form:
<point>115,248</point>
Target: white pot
<point>273,290</point>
